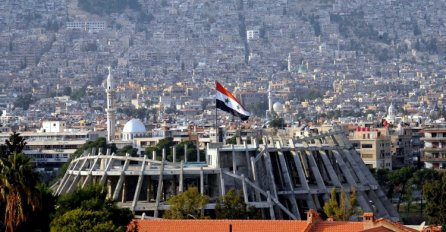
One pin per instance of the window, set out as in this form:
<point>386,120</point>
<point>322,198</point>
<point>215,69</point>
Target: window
<point>366,145</point>
<point>367,156</point>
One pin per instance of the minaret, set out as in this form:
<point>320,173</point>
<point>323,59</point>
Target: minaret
<point>270,102</point>
<point>111,121</point>
<point>270,98</point>
<point>290,67</point>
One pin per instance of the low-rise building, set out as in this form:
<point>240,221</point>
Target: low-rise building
<point>52,145</point>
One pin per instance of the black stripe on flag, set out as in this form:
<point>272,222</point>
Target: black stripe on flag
<point>222,106</point>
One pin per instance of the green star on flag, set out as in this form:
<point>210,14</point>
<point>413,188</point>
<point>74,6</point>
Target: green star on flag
<point>227,102</point>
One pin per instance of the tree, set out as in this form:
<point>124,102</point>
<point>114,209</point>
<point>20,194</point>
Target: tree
<point>352,204</point>
<point>190,152</point>
<point>277,123</point>
<point>342,210</point>
<point>135,113</point>
<point>40,220</point>
<point>170,110</point>
<point>232,206</point>
<point>435,194</point>
<point>107,7</point>
<point>18,189</point>
<point>15,143</point>
<point>331,206</point>
<point>24,101</point>
<point>316,25</point>
<point>79,93</point>
<point>186,205</point>
<point>67,91</point>
<point>84,220</point>
<point>128,149</point>
<point>88,209</point>
<point>416,182</point>
<point>232,140</point>
<point>382,176</point>
<point>398,181</point>
<point>167,144</point>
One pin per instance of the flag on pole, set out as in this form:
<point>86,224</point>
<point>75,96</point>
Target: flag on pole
<point>385,123</point>
<point>227,102</point>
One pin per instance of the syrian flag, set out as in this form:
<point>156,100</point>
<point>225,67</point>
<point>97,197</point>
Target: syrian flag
<point>227,102</point>
<point>386,124</point>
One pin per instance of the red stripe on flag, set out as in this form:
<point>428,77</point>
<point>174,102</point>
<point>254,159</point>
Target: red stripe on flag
<point>224,91</point>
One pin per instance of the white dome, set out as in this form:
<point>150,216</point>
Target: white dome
<point>134,126</point>
<point>278,107</point>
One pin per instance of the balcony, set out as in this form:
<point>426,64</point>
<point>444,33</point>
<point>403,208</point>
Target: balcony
<point>434,149</point>
<point>433,138</point>
<point>430,158</point>
<point>49,160</point>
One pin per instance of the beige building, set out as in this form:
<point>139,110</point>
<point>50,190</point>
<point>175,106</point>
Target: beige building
<point>434,152</point>
<point>373,146</point>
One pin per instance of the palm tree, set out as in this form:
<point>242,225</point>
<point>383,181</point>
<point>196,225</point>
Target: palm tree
<point>18,189</point>
<point>15,143</point>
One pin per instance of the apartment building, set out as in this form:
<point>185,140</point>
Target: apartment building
<point>434,152</point>
<point>373,146</point>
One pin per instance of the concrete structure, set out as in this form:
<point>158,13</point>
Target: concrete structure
<point>282,177</point>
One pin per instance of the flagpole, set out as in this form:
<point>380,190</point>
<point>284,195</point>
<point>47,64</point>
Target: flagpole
<point>216,119</point>
<point>226,101</point>
<point>239,128</point>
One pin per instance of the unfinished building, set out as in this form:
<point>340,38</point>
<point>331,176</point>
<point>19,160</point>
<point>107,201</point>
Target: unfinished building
<point>283,177</point>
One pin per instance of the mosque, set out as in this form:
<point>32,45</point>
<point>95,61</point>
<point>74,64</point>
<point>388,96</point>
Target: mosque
<point>132,129</point>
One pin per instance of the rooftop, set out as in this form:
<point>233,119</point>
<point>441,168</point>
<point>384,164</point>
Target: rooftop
<point>313,223</point>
